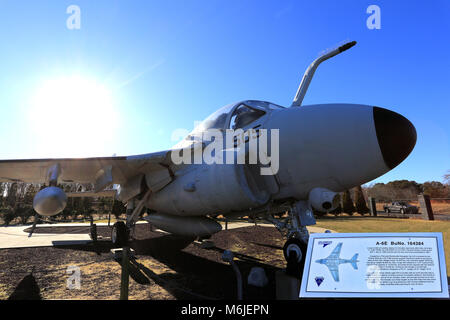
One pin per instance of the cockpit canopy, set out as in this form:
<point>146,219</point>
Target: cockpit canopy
<point>236,115</point>
<point>239,115</point>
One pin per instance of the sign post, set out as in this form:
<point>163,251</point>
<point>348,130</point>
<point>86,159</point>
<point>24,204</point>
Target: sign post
<point>425,205</point>
<point>372,207</point>
<point>124,281</point>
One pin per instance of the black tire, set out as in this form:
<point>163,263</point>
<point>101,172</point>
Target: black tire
<point>402,211</point>
<point>298,246</point>
<point>387,210</point>
<point>295,267</point>
<point>119,234</point>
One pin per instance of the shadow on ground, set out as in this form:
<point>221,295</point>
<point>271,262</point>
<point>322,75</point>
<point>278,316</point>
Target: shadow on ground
<point>198,271</point>
<point>188,271</point>
<point>27,289</point>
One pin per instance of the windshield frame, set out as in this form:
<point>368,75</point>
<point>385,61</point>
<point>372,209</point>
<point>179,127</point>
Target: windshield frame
<point>265,106</point>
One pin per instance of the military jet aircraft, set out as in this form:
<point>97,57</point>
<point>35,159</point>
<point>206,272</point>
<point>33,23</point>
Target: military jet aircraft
<point>333,261</point>
<point>321,150</point>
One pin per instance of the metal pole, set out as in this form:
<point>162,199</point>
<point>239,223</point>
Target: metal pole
<point>373,207</point>
<point>228,256</point>
<point>309,73</point>
<point>125,275</point>
<point>239,280</point>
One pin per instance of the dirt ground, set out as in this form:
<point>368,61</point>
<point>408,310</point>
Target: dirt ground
<point>167,267</point>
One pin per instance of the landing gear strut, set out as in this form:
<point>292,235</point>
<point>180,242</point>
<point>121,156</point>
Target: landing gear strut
<point>119,234</point>
<point>294,229</point>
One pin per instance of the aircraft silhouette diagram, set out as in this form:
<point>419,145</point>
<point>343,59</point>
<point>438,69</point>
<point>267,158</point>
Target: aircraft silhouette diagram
<point>333,261</point>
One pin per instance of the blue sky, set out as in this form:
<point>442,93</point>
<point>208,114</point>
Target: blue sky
<point>167,64</point>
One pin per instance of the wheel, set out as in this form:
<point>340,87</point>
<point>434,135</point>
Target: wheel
<point>119,234</point>
<point>296,246</point>
<point>402,211</point>
<point>294,252</point>
<point>387,210</point>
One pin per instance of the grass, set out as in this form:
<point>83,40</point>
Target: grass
<point>357,224</point>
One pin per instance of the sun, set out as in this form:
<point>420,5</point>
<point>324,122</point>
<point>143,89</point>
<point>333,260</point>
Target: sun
<point>72,116</point>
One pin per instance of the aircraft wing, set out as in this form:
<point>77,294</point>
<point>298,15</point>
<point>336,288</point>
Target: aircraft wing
<point>336,252</point>
<point>334,272</point>
<point>83,170</point>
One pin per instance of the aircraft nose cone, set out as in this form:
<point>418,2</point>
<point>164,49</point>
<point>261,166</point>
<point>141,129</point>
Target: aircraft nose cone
<point>396,135</point>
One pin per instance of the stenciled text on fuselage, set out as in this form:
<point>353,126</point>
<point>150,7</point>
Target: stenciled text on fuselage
<point>215,146</point>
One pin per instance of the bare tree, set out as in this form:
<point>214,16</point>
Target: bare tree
<point>2,190</point>
<point>447,178</point>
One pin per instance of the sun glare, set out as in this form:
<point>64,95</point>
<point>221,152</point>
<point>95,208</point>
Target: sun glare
<point>73,117</point>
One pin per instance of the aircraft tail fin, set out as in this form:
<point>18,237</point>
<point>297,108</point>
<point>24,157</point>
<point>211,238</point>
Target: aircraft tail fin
<point>353,261</point>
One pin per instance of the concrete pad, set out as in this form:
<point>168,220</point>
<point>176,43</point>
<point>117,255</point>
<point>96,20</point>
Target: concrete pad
<point>313,229</point>
<point>15,237</point>
<point>78,224</point>
<point>234,225</point>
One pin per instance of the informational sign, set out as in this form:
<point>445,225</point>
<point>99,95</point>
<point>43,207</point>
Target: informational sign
<point>378,265</point>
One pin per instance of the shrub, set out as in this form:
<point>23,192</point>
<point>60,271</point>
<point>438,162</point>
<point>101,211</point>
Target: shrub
<point>7,215</point>
<point>24,213</point>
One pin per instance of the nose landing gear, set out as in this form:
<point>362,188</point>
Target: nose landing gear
<point>121,232</point>
<point>294,252</point>
<point>294,229</point>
